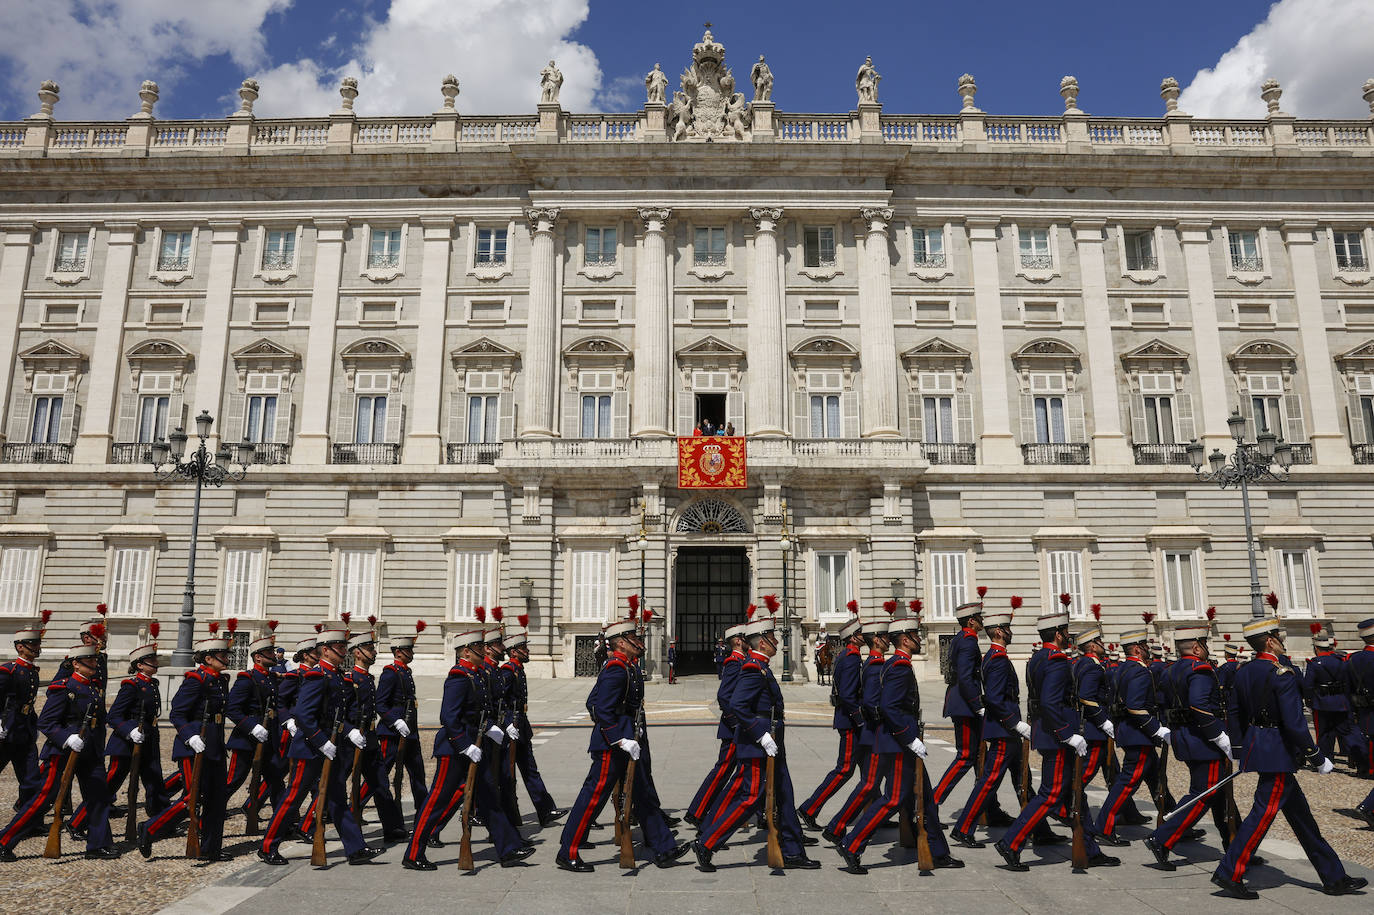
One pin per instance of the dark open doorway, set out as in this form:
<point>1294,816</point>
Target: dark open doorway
<point>710,409</point>
<point>712,593</point>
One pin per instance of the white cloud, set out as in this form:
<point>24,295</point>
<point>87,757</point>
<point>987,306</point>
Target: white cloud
<point>496,48</point>
<point>1318,50</point>
<point>99,53</point>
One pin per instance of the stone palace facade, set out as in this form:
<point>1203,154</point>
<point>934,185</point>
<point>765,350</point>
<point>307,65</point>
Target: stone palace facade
<point>964,350</point>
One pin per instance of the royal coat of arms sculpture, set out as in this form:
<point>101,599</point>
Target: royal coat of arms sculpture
<point>707,107</point>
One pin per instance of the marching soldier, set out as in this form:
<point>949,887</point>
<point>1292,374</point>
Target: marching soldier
<point>364,716</point>
<point>1359,671</point>
<point>1226,677</point>
<point>93,633</point>
<point>73,720</point>
<point>874,630</point>
<point>19,710</point>
<point>517,693</point>
<point>398,718</point>
<point>759,734</point>
<point>1055,733</point>
<point>1094,703</point>
<point>465,722</point>
<point>1324,687</point>
<point>724,768</point>
<point>253,708</point>
<point>614,704</point>
<point>197,715</point>
<point>964,703</point>
<point>1138,730</point>
<point>1269,704</point>
<point>897,745</point>
<point>495,767</point>
<point>1199,739</point>
<point>323,704</point>
<point>848,720</point>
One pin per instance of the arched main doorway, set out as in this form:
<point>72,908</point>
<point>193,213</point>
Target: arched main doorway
<point>712,582</point>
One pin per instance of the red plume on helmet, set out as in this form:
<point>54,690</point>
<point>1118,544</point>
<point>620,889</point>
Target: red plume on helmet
<point>213,627</point>
<point>1227,636</point>
<point>1148,617</point>
<point>231,625</point>
<point>1096,612</point>
<point>633,601</point>
<point>1211,613</point>
<point>648,614</point>
<point>102,608</point>
<point>497,613</point>
<point>750,611</point>
<point>771,602</point>
<point>916,606</point>
<point>1316,628</point>
<point>372,619</point>
<point>1272,599</point>
<point>853,606</point>
<point>480,612</point>
<point>98,631</point>
<point>890,606</point>
<point>1065,599</point>
<point>153,629</point>
<point>524,620</point>
<point>420,626</point>
<point>347,617</point>
<point>272,625</point>
<point>45,616</point>
<point>319,627</point>
<point>1016,602</point>
<point>982,591</point>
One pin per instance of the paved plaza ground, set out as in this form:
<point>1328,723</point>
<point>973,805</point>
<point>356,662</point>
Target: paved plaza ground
<point>683,741</point>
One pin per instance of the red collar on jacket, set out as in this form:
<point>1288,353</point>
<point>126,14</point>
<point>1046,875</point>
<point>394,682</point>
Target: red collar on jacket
<point>78,678</point>
<point>326,666</point>
<point>1265,656</point>
<point>901,655</point>
<point>874,657</point>
<point>399,666</point>
<point>998,649</point>
<point>144,677</point>
<point>467,665</point>
<point>259,668</point>
<point>852,649</point>
<point>206,669</point>
<point>969,632</point>
<point>619,655</point>
<point>1324,653</point>
<point>22,663</point>
<point>1369,648</point>
<point>514,660</point>
<point>758,656</point>
<point>736,653</point>
<point>1140,661</point>
<point>361,670</point>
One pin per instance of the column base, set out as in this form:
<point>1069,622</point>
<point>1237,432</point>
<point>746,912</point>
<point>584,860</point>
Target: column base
<point>1332,449</point>
<point>654,432</point>
<point>767,432</point>
<point>424,448</point>
<point>538,432</point>
<point>92,448</point>
<point>883,432</point>
<point>1111,449</point>
<point>998,449</point>
<point>311,448</point>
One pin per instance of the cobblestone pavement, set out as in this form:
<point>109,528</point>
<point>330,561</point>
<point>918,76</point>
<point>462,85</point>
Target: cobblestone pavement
<point>682,735</point>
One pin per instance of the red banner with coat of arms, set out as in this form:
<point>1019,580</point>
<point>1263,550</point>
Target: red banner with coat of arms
<point>711,462</point>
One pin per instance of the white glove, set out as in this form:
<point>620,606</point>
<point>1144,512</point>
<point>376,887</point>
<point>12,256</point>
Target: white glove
<point>195,743</point>
<point>1109,729</point>
<point>291,726</point>
<point>978,712</point>
<point>328,751</point>
<point>496,734</point>
<point>3,732</point>
<point>75,743</point>
<point>629,746</point>
<point>473,752</point>
<point>512,732</point>
<point>1325,766</point>
<point>1223,743</point>
<point>260,733</point>
<point>1023,729</point>
<point>356,736</point>
<point>136,735</point>
<point>1080,746</point>
<point>1163,733</point>
<point>400,727</point>
<point>770,746</point>
<point>918,748</point>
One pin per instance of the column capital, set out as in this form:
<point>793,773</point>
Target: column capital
<point>982,228</point>
<point>17,233</point>
<point>1299,231</point>
<point>541,219</point>
<point>225,230</point>
<point>877,219</point>
<point>766,219</point>
<point>1088,229</point>
<point>437,228</point>
<point>1194,230</point>
<point>655,219</point>
<point>122,232</point>
<point>330,228</point>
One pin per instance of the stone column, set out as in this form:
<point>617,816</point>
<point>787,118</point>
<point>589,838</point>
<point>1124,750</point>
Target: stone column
<point>424,443</point>
<point>1215,394</point>
<point>15,255</point>
<point>877,329</point>
<point>312,441</point>
<point>541,342</point>
<point>213,357</point>
<point>93,442</point>
<point>1108,439</point>
<point>767,402</point>
<point>996,445</point>
<point>653,350</point>
<point>1329,445</point>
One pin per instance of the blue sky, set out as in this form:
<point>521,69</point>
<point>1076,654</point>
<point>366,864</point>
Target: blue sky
<point>298,49</point>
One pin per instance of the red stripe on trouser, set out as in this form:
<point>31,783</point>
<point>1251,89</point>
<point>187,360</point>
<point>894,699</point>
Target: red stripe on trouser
<point>961,763</point>
<point>413,851</point>
<point>111,777</point>
<point>1109,821</point>
<point>859,800</point>
<point>837,778</point>
<point>366,790</point>
<point>1093,761</point>
<point>38,804</point>
<point>860,838</point>
<point>1271,810</point>
<point>580,833</point>
<point>709,794</point>
<point>1196,809</point>
<point>233,766</point>
<point>739,810</point>
<point>1050,798</point>
<point>992,770</point>
<point>162,819</point>
<point>289,802</point>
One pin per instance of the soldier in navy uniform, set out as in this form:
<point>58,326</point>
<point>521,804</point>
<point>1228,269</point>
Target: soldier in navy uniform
<point>898,743</point>
<point>364,716</point>
<point>521,753</point>
<point>253,708</point>
<point>614,705</point>
<point>19,710</point>
<point>1138,730</point>
<point>1226,677</point>
<point>1359,672</point>
<point>73,721</point>
<point>321,713</point>
<point>723,770</point>
<point>759,734</point>
<point>1324,687</point>
<point>964,704</point>
<point>1094,704</point>
<point>848,720</point>
<point>1269,705</point>
<point>495,767</point>
<point>92,633</point>
<point>874,630</point>
<point>1055,732</point>
<point>1199,740</point>
<point>398,717</point>
<point>465,724</point>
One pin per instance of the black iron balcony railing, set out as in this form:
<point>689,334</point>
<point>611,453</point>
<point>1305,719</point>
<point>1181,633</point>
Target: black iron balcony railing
<point>474,452</point>
<point>1055,453</point>
<point>950,452</point>
<point>132,453</point>
<point>1162,453</point>
<point>370,453</point>
<point>36,453</point>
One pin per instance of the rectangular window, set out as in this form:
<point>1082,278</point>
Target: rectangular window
<point>928,247</point>
<point>933,312</point>
<point>596,415</point>
<point>821,312</point>
<point>471,582</point>
<point>819,244</point>
<point>1148,313</point>
<point>165,312</point>
<point>378,312</point>
<point>591,584</point>
<point>1268,413</point>
<point>384,249</point>
<point>601,311</point>
<point>152,417</point>
<point>708,247</point>
<point>371,419</point>
<point>271,312</point>
<point>1140,251</point>
<point>1349,251</point>
<point>261,418</point>
<point>18,580</point>
<point>1181,594</point>
<point>279,249</point>
<point>1367,412</point>
<point>825,415</point>
<point>1049,420</point>
<point>489,312</point>
<point>600,247</point>
<point>1157,398</point>
<point>71,252</point>
<point>938,424</point>
<point>1245,251</point>
<point>833,589</point>
<point>47,418</point>
<point>1040,312</point>
<point>357,585</point>
<point>129,580</point>
<point>483,414</point>
<point>243,583</point>
<point>1295,582</point>
<point>1035,249</point>
<point>175,253</point>
<point>491,246</point>
<point>948,582</point>
<point>1066,577</point>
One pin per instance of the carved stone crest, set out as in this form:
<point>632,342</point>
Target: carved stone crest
<point>707,107</point>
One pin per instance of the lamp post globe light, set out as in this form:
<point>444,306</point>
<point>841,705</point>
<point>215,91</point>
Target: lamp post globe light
<point>172,464</point>
<point>1267,459</point>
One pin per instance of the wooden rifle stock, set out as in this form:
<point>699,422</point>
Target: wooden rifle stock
<point>624,832</point>
<point>774,846</point>
<point>131,818</point>
<point>355,796</point>
<point>1161,785</point>
<point>251,826</point>
<point>1232,814</point>
<point>1025,791</point>
<point>54,846</point>
<point>400,768</point>
<point>1113,764</point>
<point>924,860</point>
<point>193,796</point>
<point>465,849</point>
<point>318,856</point>
<point>1080,842</point>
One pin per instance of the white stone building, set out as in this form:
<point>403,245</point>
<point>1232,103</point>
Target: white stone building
<point>964,349</point>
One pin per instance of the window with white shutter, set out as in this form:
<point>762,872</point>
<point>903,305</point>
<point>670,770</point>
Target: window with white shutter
<point>948,570</point>
<point>1065,569</point>
<point>130,580</point>
<point>243,584</point>
<point>591,584</point>
<point>19,579</point>
<point>1296,584</point>
<point>834,587</point>
<point>471,583</point>
<point>1182,594</point>
<point>356,588</point>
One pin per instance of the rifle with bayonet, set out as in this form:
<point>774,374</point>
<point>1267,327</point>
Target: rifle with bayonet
<point>318,856</point>
<point>54,846</point>
<point>255,799</point>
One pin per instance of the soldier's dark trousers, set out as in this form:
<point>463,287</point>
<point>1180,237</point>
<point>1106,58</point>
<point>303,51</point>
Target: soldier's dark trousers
<point>1056,779</point>
<point>608,767</point>
<point>1277,791</point>
<point>716,779</point>
<point>1137,765</point>
<point>865,790</point>
<point>846,764</point>
<point>968,732</point>
<point>747,795</point>
<point>90,774</point>
<point>898,771</point>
